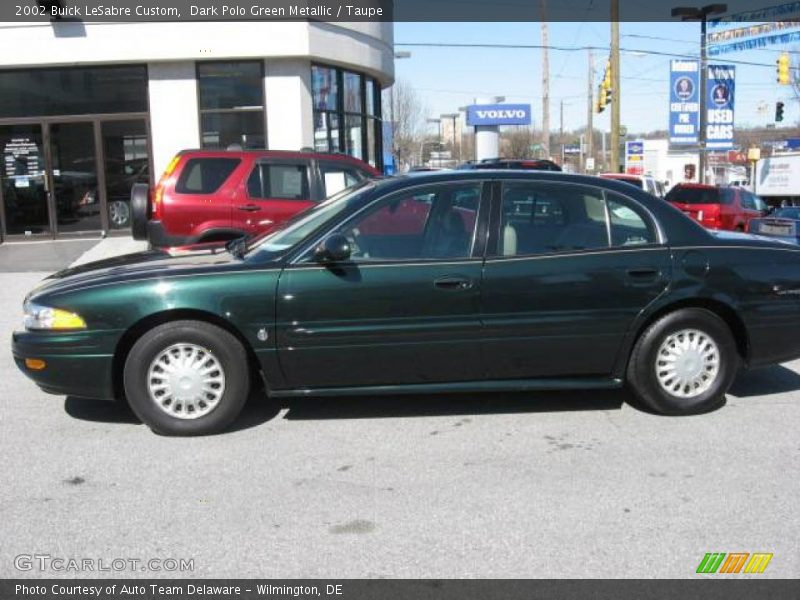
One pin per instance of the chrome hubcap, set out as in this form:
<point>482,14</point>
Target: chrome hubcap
<point>186,381</point>
<point>687,363</point>
<point>119,213</point>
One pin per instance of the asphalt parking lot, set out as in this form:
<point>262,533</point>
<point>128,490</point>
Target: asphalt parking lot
<point>516,485</point>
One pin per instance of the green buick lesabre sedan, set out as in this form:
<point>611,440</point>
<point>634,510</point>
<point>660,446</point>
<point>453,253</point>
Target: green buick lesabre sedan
<point>445,282</point>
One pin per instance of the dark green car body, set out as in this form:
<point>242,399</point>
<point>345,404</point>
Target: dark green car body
<point>566,318</point>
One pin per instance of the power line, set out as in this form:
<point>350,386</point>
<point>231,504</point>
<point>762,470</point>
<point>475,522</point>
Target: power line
<point>570,49</point>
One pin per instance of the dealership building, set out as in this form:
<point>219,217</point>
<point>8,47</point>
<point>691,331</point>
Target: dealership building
<point>88,109</point>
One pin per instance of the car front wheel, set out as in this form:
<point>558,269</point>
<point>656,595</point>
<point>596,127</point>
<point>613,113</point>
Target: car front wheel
<point>187,378</point>
<point>684,363</point>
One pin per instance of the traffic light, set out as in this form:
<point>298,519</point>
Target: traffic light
<point>783,69</point>
<point>778,112</point>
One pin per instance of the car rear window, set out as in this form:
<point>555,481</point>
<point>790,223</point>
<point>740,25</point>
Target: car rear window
<point>205,175</point>
<point>691,195</point>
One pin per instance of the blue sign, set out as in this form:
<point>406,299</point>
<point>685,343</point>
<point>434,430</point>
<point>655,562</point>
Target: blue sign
<point>634,148</point>
<point>720,101</point>
<point>389,168</point>
<point>684,102</point>
<point>499,114</point>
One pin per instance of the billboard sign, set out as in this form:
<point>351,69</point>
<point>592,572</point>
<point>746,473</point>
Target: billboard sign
<point>498,114</point>
<point>684,102</point>
<point>720,101</point>
<point>778,176</point>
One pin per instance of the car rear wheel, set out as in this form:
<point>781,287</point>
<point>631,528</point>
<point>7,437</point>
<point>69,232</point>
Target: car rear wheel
<point>139,210</point>
<point>187,378</point>
<point>684,363</point>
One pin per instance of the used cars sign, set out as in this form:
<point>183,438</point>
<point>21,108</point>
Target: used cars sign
<point>499,114</point>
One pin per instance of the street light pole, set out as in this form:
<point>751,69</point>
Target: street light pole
<point>703,158</point>
<point>691,13</point>
<point>454,117</point>
<point>616,95</point>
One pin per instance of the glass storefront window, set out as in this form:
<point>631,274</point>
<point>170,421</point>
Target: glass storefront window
<point>352,93</point>
<point>126,162</point>
<point>232,85</point>
<point>231,96</point>
<point>326,89</point>
<point>73,91</point>
<point>357,109</point>
<point>353,126</point>
<point>22,175</point>
<point>242,128</point>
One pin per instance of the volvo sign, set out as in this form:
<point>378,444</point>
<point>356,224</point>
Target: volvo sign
<point>498,114</point>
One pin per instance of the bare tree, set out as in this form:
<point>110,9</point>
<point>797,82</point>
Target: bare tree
<point>406,113</point>
<point>518,142</point>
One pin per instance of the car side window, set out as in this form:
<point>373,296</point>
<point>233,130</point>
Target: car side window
<point>279,181</point>
<point>336,178</point>
<point>542,218</point>
<point>748,200</point>
<point>726,196</point>
<point>436,222</point>
<point>629,227</point>
<point>205,175</point>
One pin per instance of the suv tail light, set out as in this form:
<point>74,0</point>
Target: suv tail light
<point>158,194</point>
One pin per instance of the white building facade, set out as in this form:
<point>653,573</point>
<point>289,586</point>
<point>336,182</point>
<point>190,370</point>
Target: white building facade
<point>88,109</point>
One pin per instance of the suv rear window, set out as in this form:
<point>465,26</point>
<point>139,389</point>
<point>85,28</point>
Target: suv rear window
<point>692,195</point>
<point>205,175</point>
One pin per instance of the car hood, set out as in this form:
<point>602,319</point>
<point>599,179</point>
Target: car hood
<point>140,265</point>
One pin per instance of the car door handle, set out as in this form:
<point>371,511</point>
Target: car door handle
<point>249,208</point>
<point>453,283</point>
<point>643,273</point>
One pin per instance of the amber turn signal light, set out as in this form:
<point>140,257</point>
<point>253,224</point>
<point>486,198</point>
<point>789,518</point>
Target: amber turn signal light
<point>35,364</point>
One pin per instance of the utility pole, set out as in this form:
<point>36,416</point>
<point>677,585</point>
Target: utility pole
<point>561,125</point>
<point>545,83</point>
<point>616,96</point>
<point>590,109</point>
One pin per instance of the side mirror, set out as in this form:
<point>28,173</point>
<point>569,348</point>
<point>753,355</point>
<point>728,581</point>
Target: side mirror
<point>334,248</point>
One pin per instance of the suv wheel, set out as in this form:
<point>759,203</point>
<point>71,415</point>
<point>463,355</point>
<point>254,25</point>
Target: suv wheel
<point>140,210</point>
<point>684,363</point>
<point>187,378</point>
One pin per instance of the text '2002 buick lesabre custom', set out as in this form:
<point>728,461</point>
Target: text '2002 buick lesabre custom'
<point>444,282</point>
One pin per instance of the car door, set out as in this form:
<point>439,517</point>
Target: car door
<point>274,190</point>
<point>569,268</point>
<point>403,309</point>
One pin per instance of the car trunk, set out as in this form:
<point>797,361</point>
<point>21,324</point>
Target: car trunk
<point>774,226</point>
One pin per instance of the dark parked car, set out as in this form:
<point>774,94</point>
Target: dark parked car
<point>782,223</point>
<point>454,281</point>
<point>214,195</point>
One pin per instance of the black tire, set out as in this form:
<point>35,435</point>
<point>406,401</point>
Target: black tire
<point>140,210</point>
<point>221,345</point>
<point>642,366</point>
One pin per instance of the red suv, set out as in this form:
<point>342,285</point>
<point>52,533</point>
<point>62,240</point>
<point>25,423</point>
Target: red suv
<point>208,195</point>
<point>716,207</point>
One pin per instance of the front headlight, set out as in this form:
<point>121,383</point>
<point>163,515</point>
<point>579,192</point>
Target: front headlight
<point>44,317</point>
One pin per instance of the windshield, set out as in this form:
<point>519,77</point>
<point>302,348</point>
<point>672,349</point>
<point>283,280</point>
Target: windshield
<point>693,195</point>
<point>300,226</point>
